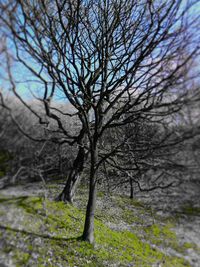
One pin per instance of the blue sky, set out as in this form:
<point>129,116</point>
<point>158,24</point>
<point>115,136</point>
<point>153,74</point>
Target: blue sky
<point>24,77</point>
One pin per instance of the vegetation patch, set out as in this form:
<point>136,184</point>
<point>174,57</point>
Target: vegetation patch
<point>191,210</point>
<point>161,235</point>
<point>51,236</point>
<point>133,204</point>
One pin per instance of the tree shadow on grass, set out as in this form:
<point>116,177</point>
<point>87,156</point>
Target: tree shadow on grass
<point>21,203</point>
<point>13,199</point>
<point>44,236</point>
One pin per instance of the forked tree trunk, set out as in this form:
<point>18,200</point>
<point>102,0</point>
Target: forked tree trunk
<point>68,192</point>
<point>88,232</point>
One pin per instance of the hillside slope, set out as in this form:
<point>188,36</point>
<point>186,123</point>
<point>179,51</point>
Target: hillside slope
<point>36,231</point>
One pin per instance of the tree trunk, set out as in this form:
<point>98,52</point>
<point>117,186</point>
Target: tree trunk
<point>131,188</point>
<point>68,192</point>
<point>88,232</point>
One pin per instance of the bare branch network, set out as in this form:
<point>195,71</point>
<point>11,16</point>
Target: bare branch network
<point>121,66</point>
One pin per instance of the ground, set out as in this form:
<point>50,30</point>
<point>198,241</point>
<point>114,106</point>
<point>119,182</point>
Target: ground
<point>154,229</point>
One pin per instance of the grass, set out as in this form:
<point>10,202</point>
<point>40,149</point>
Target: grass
<point>51,231</point>
<point>160,231</point>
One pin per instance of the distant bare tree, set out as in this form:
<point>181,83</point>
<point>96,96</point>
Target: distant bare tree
<point>115,62</point>
<point>148,159</point>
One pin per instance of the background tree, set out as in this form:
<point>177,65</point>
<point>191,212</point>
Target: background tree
<point>115,62</point>
<point>150,159</point>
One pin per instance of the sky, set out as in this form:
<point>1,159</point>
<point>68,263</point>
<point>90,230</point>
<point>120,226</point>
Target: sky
<point>25,80</point>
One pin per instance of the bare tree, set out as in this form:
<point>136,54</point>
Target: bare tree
<point>148,159</point>
<point>114,61</point>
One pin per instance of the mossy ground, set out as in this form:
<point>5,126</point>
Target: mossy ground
<point>42,233</point>
<point>191,210</point>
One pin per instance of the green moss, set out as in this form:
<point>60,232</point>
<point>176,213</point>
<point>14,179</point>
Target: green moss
<point>191,210</point>
<point>188,245</point>
<point>129,217</point>
<point>164,236</point>
<point>124,200</point>
<point>7,249</point>
<point>160,234</point>
<point>30,247</point>
<point>100,194</point>
<point>126,247</point>
<point>59,227</point>
<point>111,245</point>
<point>107,217</point>
<point>21,258</point>
<point>134,211</point>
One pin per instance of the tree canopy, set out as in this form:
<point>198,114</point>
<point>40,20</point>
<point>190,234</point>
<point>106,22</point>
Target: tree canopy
<point>115,62</point>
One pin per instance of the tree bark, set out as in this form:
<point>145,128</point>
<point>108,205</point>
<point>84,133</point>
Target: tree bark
<point>68,192</point>
<point>131,188</point>
<point>88,232</point>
